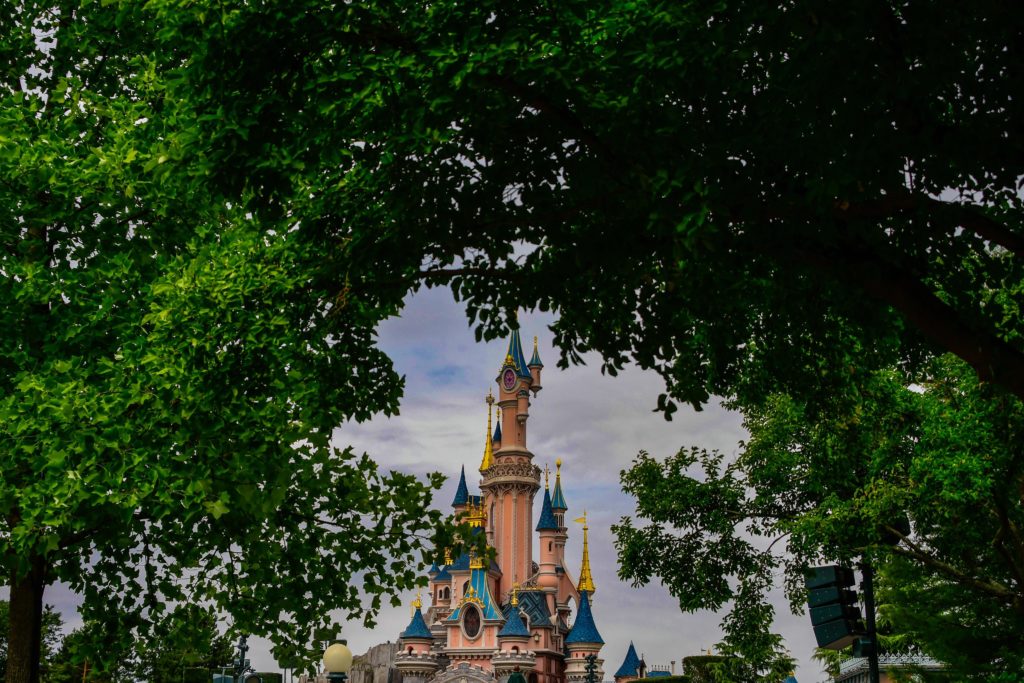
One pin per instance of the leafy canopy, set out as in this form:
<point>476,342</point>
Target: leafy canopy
<point>735,194</point>
<point>828,482</point>
<point>172,366</point>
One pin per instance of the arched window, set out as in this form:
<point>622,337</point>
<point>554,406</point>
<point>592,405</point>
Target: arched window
<point>471,621</point>
<point>515,648</point>
<point>410,649</point>
<point>549,546</point>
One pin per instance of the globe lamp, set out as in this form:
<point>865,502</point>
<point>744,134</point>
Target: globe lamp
<point>338,661</point>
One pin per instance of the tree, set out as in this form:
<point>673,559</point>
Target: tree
<point>52,625</point>
<point>191,642</point>
<point>829,482</point>
<point>777,204</point>
<point>690,185</point>
<point>76,661</point>
<point>172,367</point>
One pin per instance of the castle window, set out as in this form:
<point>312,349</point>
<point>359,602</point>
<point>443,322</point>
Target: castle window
<point>471,622</point>
<point>515,648</point>
<point>549,546</point>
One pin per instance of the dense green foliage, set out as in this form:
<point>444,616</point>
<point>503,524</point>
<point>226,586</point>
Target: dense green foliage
<point>827,482</point>
<point>735,194</point>
<point>172,367</point>
<point>209,203</point>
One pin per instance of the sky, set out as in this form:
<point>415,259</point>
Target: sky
<point>595,423</point>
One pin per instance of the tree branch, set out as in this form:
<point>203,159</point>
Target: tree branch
<point>915,552</point>
<point>992,358</point>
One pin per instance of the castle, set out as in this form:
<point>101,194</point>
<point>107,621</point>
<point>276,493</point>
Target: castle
<point>488,620</point>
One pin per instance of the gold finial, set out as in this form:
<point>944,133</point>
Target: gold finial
<point>535,343</point>
<point>416,604</point>
<point>488,446</point>
<point>515,594</point>
<point>490,397</point>
<point>586,582</point>
<point>547,471</point>
<point>447,556</point>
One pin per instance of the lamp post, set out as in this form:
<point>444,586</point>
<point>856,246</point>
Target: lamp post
<point>338,662</point>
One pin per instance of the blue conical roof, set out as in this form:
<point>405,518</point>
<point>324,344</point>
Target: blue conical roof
<point>433,571</point>
<point>443,575</point>
<point>558,500</point>
<point>535,360</point>
<point>497,433</point>
<point>481,596</point>
<point>461,493</point>
<point>631,664</point>
<point>583,629</point>
<point>547,520</point>
<point>514,626</point>
<point>417,627</point>
<point>515,352</point>
<point>790,679</point>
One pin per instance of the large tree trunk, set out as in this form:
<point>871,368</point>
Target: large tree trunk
<point>25,630</point>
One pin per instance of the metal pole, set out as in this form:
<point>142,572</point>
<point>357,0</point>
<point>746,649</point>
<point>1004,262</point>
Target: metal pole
<point>868,587</point>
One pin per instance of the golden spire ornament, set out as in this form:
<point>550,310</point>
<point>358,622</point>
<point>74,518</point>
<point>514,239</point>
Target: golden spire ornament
<point>586,582</point>
<point>488,460</point>
<point>416,604</point>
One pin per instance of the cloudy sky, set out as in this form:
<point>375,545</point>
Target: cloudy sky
<point>595,424</point>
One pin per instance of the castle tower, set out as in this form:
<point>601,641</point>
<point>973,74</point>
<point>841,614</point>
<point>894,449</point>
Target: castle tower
<point>630,669</point>
<point>584,642</point>
<point>416,661</point>
<point>511,482</point>
<point>513,640</point>
<point>549,531</point>
<point>506,620</point>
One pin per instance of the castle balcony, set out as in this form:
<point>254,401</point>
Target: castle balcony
<point>505,662</point>
<point>416,663</point>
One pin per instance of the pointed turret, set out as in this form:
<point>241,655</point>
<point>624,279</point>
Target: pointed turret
<point>514,627</point>
<point>488,460</point>
<point>547,517</point>
<point>630,666</point>
<point>586,583</point>
<point>583,643</point>
<point>415,661</point>
<point>462,492</point>
<point>584,630</point>
<point>417,629</point>
<point>557,499</point>
<point>514,357</point>
<point>496,439</point>
<point>535,361</point>
<point>535,367</point>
